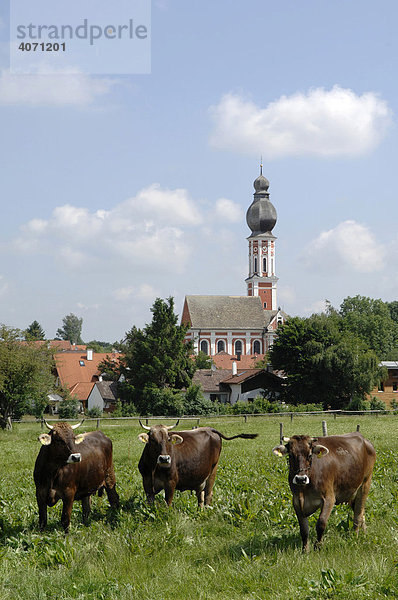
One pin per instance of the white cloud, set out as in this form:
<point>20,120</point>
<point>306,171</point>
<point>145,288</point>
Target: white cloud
<point>319,123</point>
<point>143,291</point>
<point>350,245</point>
<point>169,206</point>
<point>318,306</point>
<point>56,89</point>
<point>227,210</point>
<point>150,230</point>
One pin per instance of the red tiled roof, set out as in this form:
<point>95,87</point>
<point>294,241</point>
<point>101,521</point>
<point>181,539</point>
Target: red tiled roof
<point>74,369</point>
<point>59,345</point>
<point>247,361</point>
<point>242,376</point>
<point>81,390</point>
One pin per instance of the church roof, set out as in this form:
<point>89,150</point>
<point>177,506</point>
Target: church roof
<point>227,312</point>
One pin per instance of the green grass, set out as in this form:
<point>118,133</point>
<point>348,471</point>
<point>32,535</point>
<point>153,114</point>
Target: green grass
<point>247,546</point>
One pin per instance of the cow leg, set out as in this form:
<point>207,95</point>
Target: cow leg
<point>86,508</point>
<point>66,511</point>
<point>326,509</point>
<point>359,505</point>
<point>110,486</point>
<point>209,486</point>
<point>42,505</point>
<point>169,493</point>
<point>113,497</point>
<point>303,522</point>
<point>148,488</point>
<point>200,494</point>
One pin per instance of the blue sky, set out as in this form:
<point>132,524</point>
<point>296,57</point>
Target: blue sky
<point>116,189</point>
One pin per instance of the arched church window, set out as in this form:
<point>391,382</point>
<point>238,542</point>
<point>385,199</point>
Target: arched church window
<point>221,346</point>
<point>238,347</point>
<point>256,347</point>
<point>264,264</point>
<point>255,264</point>
<point>204,347</point>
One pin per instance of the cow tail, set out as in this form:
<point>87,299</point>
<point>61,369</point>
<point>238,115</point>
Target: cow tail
<point>246,436</point>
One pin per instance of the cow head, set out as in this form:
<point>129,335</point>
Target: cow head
<point>300,449</point>
<point>63,441</point>
<point>160,443</point>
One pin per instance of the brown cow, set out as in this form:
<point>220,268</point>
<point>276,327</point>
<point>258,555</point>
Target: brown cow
<point>343,474</point>
<point>186,460</point>
<point>70,467</point>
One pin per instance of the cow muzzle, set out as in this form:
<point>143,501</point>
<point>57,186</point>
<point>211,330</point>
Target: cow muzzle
<point>164,460</point>
<point>301,480</point>
<point>74,458</point>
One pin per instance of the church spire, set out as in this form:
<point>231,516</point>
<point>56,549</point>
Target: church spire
<point>261,217</point>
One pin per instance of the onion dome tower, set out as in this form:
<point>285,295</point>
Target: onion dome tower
<point>261,218</point>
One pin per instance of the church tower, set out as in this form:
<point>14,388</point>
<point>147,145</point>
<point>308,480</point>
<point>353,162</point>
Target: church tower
<point>261,218</point>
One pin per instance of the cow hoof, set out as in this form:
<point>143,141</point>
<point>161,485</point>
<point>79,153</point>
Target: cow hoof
<point>317,545</point>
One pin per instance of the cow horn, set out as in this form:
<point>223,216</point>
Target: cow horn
<point>78,424</point>
<point>143,426</point>
<point>172,426</point>
<point>47,425</point>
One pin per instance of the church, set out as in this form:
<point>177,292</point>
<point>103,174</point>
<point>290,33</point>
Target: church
<point>242,328</point>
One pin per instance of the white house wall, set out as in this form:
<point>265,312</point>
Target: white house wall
<point>95,400</point>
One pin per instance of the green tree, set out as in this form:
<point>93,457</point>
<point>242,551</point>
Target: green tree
<point>393,308</point>
<point>100,347</point>
<point>202,360</point>
<point>372,321</point>
<point>322,362</point>
<point>34,332</point>
<point>157,357</point>
<point>71,330</point>
<point>25,376</point>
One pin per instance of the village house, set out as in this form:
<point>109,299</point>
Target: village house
<point>79,372</point>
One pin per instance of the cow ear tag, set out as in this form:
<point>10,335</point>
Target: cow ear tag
<point>79,438</point>
<point>176,439</point>
<point>45,439</point>
<point>278,451</point>
<point>320,451</point>
<point>144,438</point>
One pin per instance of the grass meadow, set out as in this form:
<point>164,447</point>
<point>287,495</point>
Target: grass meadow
<point>247,546</point>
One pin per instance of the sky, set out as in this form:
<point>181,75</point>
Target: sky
<point>116,189</point>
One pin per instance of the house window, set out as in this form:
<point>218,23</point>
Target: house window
<point>238,347</point>
<point>221,346</point>
<point>204,346</point>
<point>395,386</point>
<point>256,347</point>
<point>381,387</point>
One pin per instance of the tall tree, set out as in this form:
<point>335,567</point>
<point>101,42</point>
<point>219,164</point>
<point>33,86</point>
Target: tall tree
<point>34,332</point>
<point>72,329</point>
<point>25,376</point>
<point>157,356</point>
<point>323,363</point>
<point>372,321</point>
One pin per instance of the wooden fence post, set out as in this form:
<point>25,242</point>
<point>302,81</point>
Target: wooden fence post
<point>98,423</point>
<point>324,428</point>
<point>281,433</point>
<point>358,427</point>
